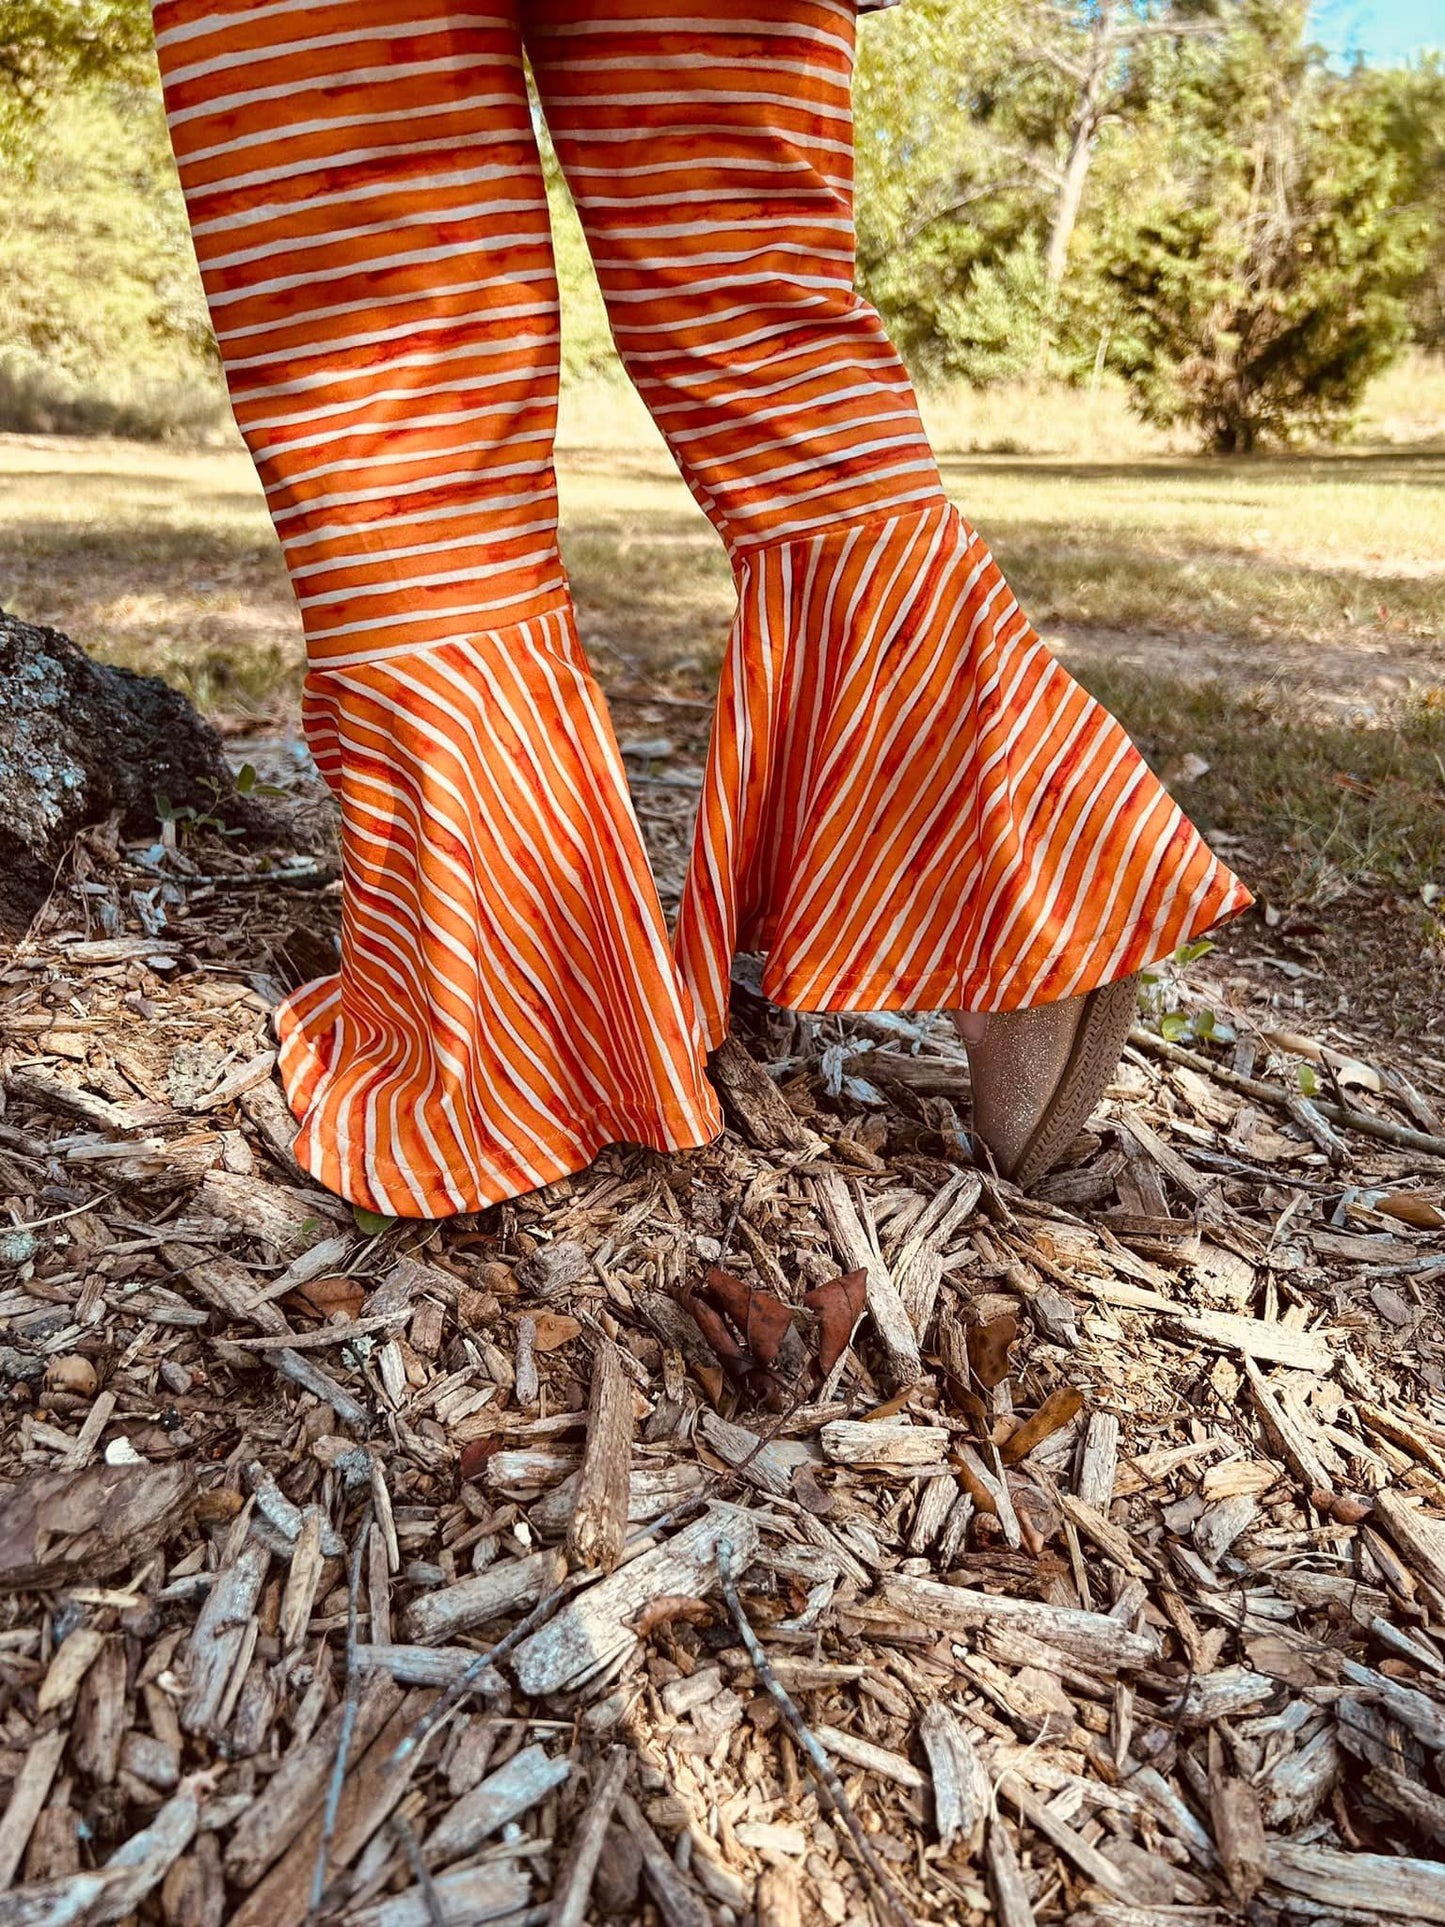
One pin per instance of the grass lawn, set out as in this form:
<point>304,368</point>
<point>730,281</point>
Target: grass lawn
<point>1280,620</point>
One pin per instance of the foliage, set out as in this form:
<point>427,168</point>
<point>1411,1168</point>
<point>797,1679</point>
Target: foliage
<point>1256,236</point>
<point>1251,235</point>
<point>101,312</point>
<point>49,46</point>
<point>1266,278</point>
<point>1411,101</point>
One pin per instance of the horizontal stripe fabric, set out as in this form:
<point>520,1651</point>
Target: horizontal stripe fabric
<point>907,802</point>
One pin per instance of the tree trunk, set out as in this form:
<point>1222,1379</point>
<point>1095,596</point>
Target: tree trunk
<point>80,741</point>
<point>1088,117</point>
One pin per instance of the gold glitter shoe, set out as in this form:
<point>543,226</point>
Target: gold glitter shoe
<point>1038,1073</point>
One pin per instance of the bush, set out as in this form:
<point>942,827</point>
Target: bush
<point>1259,288</point>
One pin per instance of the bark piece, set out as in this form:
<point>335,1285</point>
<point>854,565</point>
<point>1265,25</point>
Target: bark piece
<point>1371,1883</point>
<point>64,1902</point>
<point>296,1789</point>
<point>313,1378</point>
<point>27,1797</point>
<point>1422,1808</point>
<point>60,1528</point>
<point>1239,1836</point>
<point>303,1576</point>
<point>651,1491</point>
<point>482,1598</point>
<point>218,1645</point>
<point>193,1893</point>
<point>595,1628</point>
<point>529,1776</point>
<point>599,1519</point>
<point>872,1759</point>
<point>1259,1338</point>
<point>1010,1896</point>
<point>473,1896</point>
<point>574,1884</point>
<point>229,1289</point>
<point>1093,1638</point>
<point>144,1860</point>
<point>1302,1458</point>
<point>677,1900</point>
<point>1099,1462</point>
<point>1090,1862</point>
<point>754,1103</point>
<point>263,1211</point>
<point>100,1715</point>
<point>961,1789</point>
<point>780,1899</point>
<point>859,1252</point>
<point>1420,1538</point>
<point>884,1443</point>
<point>438,1666</point>
<point>374,1784</point>
<point>67,1670</point>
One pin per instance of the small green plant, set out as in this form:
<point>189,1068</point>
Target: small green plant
<point>372,1223</point>
<point>1160,989</point>
<point>175,814</point>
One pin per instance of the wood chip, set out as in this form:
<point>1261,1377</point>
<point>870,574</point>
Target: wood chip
<point>599,1518</point>
<point>594,1629</point>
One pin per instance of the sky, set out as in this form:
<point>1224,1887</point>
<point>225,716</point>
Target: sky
<point>1385,31</point>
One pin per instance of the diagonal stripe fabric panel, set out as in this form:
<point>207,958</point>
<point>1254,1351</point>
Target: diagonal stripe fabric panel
<point>910,805</point>
<point>506,1003</point>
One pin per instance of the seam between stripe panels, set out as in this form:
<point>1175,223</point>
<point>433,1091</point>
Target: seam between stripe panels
<point>744,552</point>
<point>559,604</point>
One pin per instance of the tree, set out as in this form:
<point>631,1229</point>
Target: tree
<point>1412,100</point>
<point>979,127</point>
<point>1095,48</point>
<point>103,326</point>
<point>1268,277</point>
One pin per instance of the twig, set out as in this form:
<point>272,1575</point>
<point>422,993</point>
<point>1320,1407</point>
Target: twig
<point>1352,1120</point>
<point>570,1906</point>
<point>431,1899</point>
<point>348,1719</point>
<point>832,1786</point>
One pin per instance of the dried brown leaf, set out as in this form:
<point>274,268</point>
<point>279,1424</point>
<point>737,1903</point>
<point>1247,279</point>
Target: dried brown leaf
<point>988,1349</point>
<point>667,1607</point>
<point>761,1317</point>
<point>329,1295</point>
<point>554,1329</point>
<point>839,1305</point>
<point>1410,1208</point>
<point>1052,1416</point>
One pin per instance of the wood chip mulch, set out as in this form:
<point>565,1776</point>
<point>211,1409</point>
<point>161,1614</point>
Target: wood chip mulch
<point>812,1529</point>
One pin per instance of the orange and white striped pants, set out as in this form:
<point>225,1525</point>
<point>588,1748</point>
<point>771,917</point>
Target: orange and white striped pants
<point>907,802</point>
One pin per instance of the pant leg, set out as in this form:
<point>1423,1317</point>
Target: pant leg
<point>369,214</point>
<point>908,803</point>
